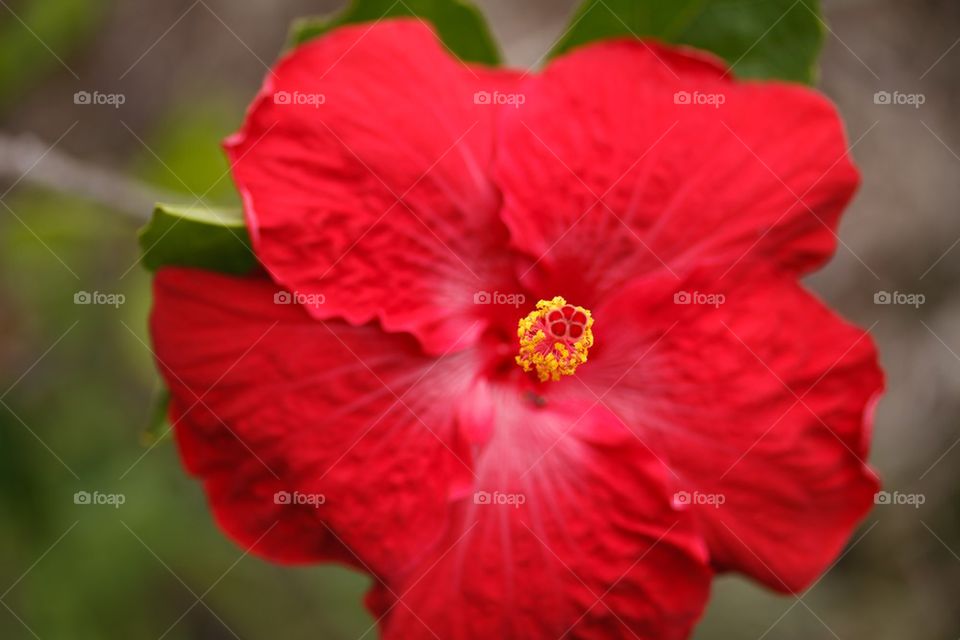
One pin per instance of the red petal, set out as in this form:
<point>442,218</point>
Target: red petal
<point>605,176</point>
<point>762,396</point>
<point>566,537</point>
<point>269,399</point>
<point>378,198</point>
<point>241,490</point>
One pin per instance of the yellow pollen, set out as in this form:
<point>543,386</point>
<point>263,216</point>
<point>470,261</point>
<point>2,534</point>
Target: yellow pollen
<point>554,339</point>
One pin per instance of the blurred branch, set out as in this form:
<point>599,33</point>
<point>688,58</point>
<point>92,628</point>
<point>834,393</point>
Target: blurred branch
<point>26,158</point>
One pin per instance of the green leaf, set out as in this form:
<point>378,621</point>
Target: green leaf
<point>760,38</point>
<point>199,237</point>
<point>460,25</point>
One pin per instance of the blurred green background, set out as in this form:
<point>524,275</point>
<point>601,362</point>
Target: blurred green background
<point>78,382</point>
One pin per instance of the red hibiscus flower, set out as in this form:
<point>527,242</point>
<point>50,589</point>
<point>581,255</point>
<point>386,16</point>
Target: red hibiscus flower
<point>528,349</point>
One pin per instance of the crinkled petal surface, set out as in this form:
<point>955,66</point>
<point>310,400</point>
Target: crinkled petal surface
<point>284,402</point>
<point>364,170</point>
<point>630,157</point>
<point>753,391</point>
<point>571,534</point>
<point>270,399</point>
